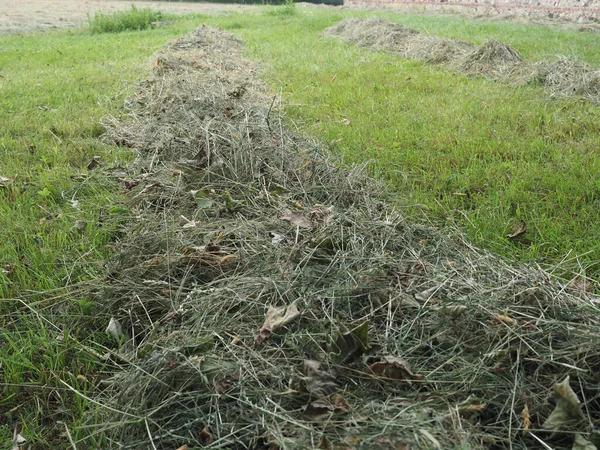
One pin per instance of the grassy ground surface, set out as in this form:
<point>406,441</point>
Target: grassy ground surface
<point>56,216</point>
<point>482,154</point>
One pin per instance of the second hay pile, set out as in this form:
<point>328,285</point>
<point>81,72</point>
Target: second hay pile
<point>493,59</point>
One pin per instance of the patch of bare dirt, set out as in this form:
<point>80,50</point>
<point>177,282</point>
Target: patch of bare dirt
<point>42,15</point>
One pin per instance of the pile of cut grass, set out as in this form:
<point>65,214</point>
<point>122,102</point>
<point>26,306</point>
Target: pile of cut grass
<point>493,59</point>
<point>267,298</point>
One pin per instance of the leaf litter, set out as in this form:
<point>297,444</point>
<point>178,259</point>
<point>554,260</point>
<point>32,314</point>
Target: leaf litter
<point>395,346</point>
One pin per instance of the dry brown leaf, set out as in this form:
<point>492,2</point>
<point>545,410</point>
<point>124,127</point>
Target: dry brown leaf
<point>324,444</point>
<point>506,319</point>
<point>298,219</point>
<point>518,230</point>
<point>323,408</point>
<point>276,318</point>
<point>184,447</point>
<point>453,311</point>
<point>319,383</point>
<point>93,163</point>
<point>205,437</point>
<point>393,368</point>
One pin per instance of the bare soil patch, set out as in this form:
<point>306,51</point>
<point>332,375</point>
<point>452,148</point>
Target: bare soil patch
<point>41,15</point>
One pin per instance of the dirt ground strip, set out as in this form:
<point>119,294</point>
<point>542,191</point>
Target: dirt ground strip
<point>40,15</point>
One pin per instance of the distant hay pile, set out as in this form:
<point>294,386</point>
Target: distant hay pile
<point>265,298</point>
<point>493,59</point>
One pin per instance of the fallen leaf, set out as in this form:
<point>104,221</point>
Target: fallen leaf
<point>300,220</point>
<point>568,407</point>
<point>205,437</point>
<point>453,311</point>
<point>202,199</point>
<point>321,215</point>
<point>518,230</point>
<point>582,443</point>
<point>115,330</point>
<point>319,383</point>
<point>393,368</point>
<point>505,319</point>
<point>278,239</point>
<point>17,441</point>
<point>323,408</point>
<point>526,419</point>
<point>324,444</point>
<point>276,318</point>
<point>82,378</point>
<point>350,344</point>
<point>184,447</point>
<point>93,163</point>
<point>4,181</point>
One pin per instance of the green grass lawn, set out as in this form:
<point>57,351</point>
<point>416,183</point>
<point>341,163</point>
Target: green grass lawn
<point>56,216</point>
<point>476,153</point>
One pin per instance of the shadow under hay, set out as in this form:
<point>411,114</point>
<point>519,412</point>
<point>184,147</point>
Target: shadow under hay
<point>271,299</point>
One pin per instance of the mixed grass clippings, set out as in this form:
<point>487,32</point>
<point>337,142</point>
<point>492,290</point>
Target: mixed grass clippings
<point>492,59</point>
<point>266,297</point>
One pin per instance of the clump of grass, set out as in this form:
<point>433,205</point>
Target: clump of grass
<point>134,19</point>
<point>288,8</point>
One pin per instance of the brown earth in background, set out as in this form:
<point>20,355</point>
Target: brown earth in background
<point>40,15</point>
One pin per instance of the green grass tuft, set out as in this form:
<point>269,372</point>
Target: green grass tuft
<point>288,8</point>
<point>134,19</point>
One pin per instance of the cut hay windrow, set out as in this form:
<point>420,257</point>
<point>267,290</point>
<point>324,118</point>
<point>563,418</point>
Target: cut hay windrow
<point>264,297</point>
<point>493,59</point>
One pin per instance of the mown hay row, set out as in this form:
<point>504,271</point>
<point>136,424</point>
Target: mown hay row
<point>493,59</point>
<point>270,299</point>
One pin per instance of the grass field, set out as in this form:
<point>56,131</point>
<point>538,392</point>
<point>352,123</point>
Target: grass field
<point>56,216</point>
<point>483,156</point>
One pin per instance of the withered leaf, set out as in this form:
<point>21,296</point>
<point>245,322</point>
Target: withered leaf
<point>393,368</point>
<point>323,408</point>
<point>351,344</point>
<point>568,407</point>
<point>205,437</point>
<point>298,219</point>
<point>324,444</point>
<point>319,383</point>
<point>276,318</point>
<point>518,230</point>
<point>582,443</point>
<point>93,163</point>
